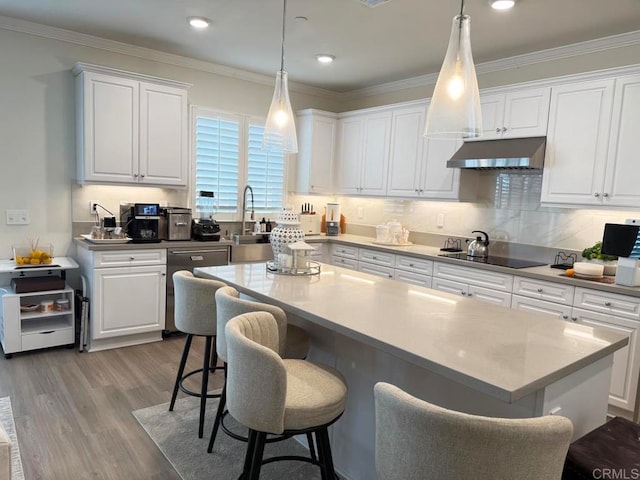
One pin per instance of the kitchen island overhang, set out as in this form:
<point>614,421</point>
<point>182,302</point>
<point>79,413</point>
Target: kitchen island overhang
<point>456,352</point>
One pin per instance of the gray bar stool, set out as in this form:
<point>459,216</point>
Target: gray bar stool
<point>271,395</point>
<point>195,314</point>
<point>417,440</point>
<point>293,343</point>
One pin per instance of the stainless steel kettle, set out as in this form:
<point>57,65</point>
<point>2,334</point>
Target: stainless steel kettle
<point>478,247</point>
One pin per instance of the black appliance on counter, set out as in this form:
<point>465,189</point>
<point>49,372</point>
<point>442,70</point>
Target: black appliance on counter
<point>142,223</point>
<point>205,230</point>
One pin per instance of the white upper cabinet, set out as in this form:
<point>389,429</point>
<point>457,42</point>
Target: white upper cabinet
<point>418,165</point>
<point>621,174</point>
<point>130,130</point>
<point>364,153</point>
<point>577,143</point>
<point>514,114</point>
<point>317,132</point>
<point>405,159</point>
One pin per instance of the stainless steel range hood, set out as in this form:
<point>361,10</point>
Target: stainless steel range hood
<point>515,153</point>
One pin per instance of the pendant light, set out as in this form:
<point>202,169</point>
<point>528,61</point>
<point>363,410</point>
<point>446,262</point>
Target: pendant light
<point>280,128</point>
<point>455,106</point>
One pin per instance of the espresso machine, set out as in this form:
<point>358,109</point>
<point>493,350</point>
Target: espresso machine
<point>142,222</point>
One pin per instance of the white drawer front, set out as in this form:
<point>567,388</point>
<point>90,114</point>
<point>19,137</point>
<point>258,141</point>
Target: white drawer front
<point>604,302</point>
<point>345,251</point>
<point>413,278</point>
<point>474,276</point>
<point>379,258</point>
<point>549,291</point>
<point>33,341</point>
<point>527,304</point>
<point>448,286</point>
<point>417,265</point>
<point>123,258</point>
<point>346,262</point>
<point>372,268</point>
<point>488,295</point>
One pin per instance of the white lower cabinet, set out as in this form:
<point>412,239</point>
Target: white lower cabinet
<point>483,285</point>
<point>344,256</point>
<point>413,270</point>
<point>626,361</point>
<point>374,269</point>
<point>127,291</point>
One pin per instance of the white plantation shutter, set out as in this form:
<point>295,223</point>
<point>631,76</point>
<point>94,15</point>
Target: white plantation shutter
<point>265,173</point>
<point>227,157</point>
<point>217,162</point>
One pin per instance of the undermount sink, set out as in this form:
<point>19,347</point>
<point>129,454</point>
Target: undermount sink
<point>250,248</point>
<point>250,239</point>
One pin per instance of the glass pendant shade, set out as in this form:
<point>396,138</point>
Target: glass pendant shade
<point>280,128</point>
<point>454,111</point>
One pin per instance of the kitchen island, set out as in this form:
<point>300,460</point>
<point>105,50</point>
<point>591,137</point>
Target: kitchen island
<point>448,350</point>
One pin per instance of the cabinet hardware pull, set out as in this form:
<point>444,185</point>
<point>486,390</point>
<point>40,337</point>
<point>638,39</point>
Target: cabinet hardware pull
<point>607,304</point>
<point>539,290</point>
<point>164,274</point>
<point>596,194</point>
<point>135,175</point>
<point>374,257</point>
<point>411,264</point>
<point>47,333</point>
<point>498,130</point>
<point>564,317</point>
<point>416,190</point>
<point>141,176</point>
<point>504,129</point>
<point>421,190</point>
<point>463,293</point>
<point>575,319</point>
<point>605,195</point>
<point>132,258</point>
<point>390,276</point>
<point>469,294</point>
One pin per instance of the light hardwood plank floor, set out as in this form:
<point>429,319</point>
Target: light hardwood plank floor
<point>73,410</point>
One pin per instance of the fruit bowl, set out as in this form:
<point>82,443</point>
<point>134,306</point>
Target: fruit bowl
<point>28,256</point>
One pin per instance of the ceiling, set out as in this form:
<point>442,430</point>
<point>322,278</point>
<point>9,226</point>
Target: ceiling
<point>393,41</point>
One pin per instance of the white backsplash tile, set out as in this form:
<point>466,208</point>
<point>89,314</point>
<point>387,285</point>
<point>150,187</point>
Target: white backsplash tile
<point>507,207</point>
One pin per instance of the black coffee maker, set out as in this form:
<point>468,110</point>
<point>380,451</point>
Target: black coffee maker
<point>143,223</point>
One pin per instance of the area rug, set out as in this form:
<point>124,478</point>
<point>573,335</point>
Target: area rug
<point>176,434</point>
<point>9,426</point>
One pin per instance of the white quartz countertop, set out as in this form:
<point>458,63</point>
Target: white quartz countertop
<point>505,353</point>
<point>81,242</point>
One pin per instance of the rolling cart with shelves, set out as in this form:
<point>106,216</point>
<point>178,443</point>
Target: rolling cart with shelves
<point>23,329</point>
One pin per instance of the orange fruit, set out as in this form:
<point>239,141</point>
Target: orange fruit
<point>570,272</point>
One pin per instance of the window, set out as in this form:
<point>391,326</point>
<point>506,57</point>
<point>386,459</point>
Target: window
<point>228,157</point>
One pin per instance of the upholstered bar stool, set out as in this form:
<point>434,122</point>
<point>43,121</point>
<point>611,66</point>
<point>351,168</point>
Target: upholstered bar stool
<point>195,315</point>
<point>418,440</point>
<point>271,395</point>
<point>293,342</point>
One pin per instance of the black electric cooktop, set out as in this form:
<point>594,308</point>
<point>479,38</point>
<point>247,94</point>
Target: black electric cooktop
<point>501,261</point>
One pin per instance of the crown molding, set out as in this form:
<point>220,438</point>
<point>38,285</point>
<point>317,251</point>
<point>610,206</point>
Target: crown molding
<point>557,53</point>
<point>54,33</point>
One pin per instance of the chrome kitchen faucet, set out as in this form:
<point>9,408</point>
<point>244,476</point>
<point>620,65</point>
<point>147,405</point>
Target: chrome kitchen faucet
<point>244,208</point>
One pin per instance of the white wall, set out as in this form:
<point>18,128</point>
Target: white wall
<point>37,132</point>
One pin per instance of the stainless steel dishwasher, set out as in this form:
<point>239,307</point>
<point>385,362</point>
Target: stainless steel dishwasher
<point>187,259</point>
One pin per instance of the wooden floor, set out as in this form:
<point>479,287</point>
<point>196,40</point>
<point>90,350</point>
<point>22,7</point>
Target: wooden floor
<point>73,410</point>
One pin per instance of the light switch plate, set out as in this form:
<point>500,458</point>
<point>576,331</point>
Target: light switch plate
<point>18,217</point>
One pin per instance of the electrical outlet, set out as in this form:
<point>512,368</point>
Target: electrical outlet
<point>440,220</point>
<point>18,217</point>
<point>93,207</point>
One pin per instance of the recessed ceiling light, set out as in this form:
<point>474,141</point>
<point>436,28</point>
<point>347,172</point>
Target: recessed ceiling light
<point>502,4</point>
<point>199,22</point>
<point>325,58</point>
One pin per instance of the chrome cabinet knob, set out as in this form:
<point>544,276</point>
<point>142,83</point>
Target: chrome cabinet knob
<point>374,257</point>
<point>575,319</point>
<point>421,190</point>
<point>390,276</point>
<point>132,258</point>
<point>607,304</point>
<point>135,175</point>
<point>504,129</point>
<point>498,130</point>
<point>416,190</point>
<point>565,317</point>
<point>596,194</point>
<point>539,290</point>
<point>469,294</point>
<point>141,176</point>
<point>411,264</point>
<point>605,195</point>
<point>463,293</point>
